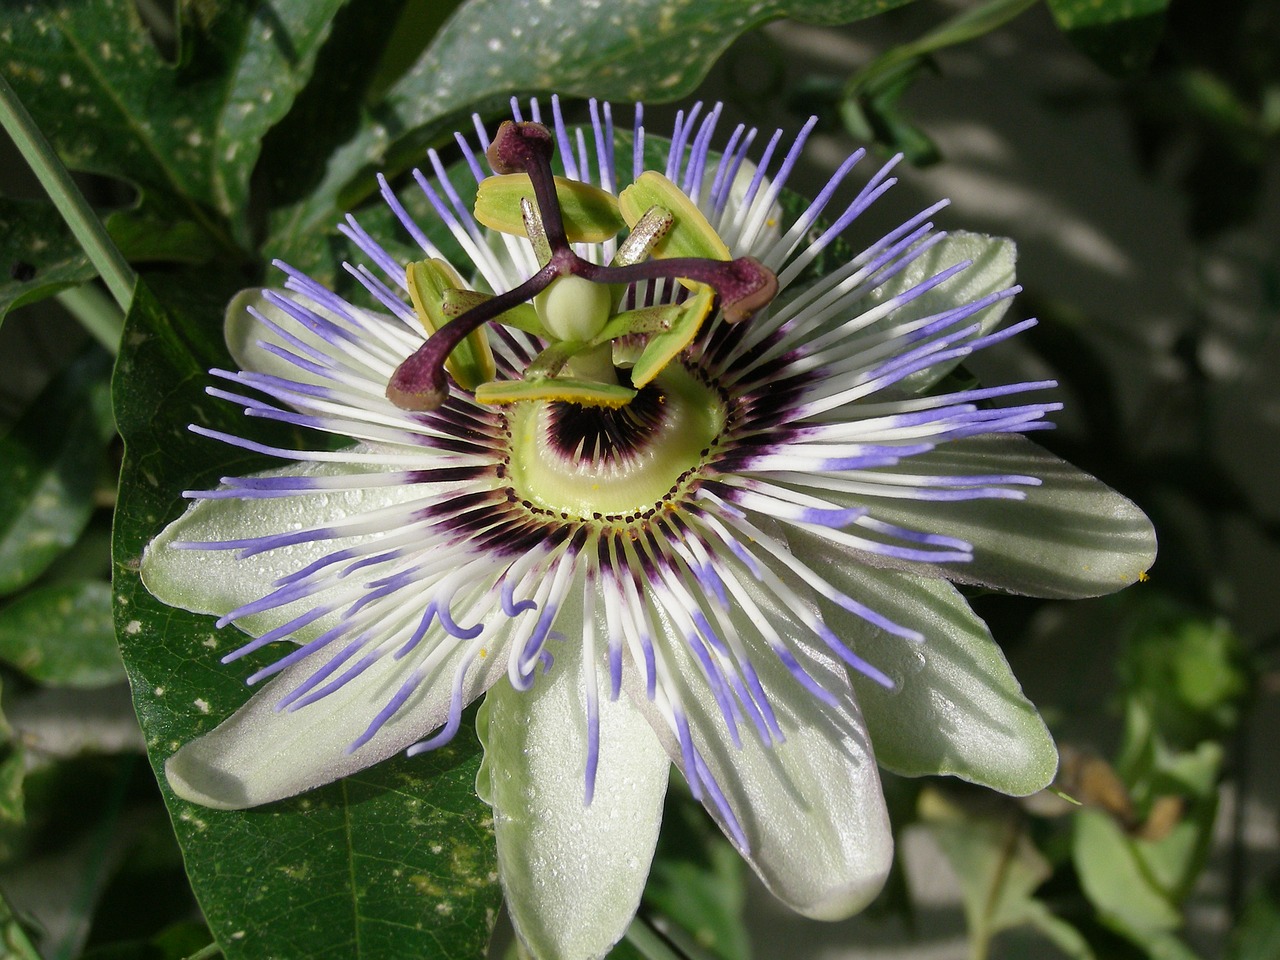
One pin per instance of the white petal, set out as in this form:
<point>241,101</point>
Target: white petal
<point>259,755</point>
<point>1073,536</point>
<point>248,337</point>
<point>958,708</point>
<point>811,808</point>
<point>573,874</point>
<point>218,581</point>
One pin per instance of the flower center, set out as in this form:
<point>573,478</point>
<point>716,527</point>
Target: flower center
<point>594,462</point>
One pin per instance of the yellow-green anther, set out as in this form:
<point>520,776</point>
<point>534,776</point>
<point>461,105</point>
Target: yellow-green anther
<point>586,393</point>
<point>690,235</point>
<point>665,346</point>
<point>455,301</point>
<point>535,231</point>
<point>646,320</point>
<point>429,281</point>
<point>645,233</point>
<point>590,214</point>
<point>552,360</point>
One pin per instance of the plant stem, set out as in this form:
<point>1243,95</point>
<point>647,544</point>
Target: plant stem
<point>971,23</point>
<point>66,196</point>
<point>206,953</point>
<point>96,313</point>
<point>649,942</point>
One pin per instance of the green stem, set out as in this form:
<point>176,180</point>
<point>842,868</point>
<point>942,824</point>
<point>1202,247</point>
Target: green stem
<point>206,953</point>
<point>96,313</point>
<point>967,25</point>
<point>66,196</point>
<point>649,942</point>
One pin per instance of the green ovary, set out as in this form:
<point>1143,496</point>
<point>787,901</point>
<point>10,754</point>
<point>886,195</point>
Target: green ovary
<point>690,416</point>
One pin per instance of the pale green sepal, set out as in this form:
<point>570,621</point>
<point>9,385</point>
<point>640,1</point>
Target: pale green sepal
<point>573,874</point>
<point>991,271</point>
<point>957,708</point>
<point>646,320</point>
<point>811,807</point>
<point>217,581</point>
<point>1072,536</point>
<point>246,336</point>
<point>484,773</point>
<point>259,755</point>
<point>590,215</point>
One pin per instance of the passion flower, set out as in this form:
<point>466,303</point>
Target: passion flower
<point>670,478</point>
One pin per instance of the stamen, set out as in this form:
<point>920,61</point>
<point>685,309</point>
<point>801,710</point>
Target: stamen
<point>743,285</point>
<point>419,383</point>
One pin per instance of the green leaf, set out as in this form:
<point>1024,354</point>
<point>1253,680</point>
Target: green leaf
<point>1118,35</point>
<point>871,107</point>
<point>396,861</point>
<point>13,938</point>
<point>1257,935</point>
<point>1115,881</point>
<point>993,858</point>
<point>187,134</point>
<point>1190,672</point>
<point>39,256</point>
<point>62,635</point>
<point>48,465</point>
<point>1058,932</point>
<point>490,48</point>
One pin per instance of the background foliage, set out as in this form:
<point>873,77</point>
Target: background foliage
<point>220,134</point>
